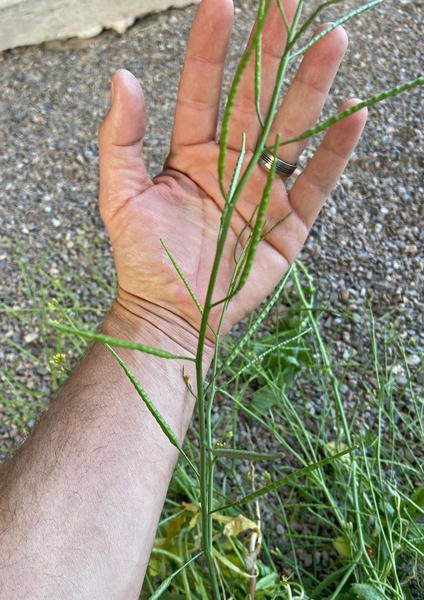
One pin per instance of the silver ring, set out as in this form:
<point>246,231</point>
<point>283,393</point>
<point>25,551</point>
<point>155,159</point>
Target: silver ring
<point>282,167</point>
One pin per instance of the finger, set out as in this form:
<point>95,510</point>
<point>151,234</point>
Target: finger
<point>307,93</point>
<point>314,185</point>
<point>244,117</point>
<point>199,93</point>
<point>122,171</point>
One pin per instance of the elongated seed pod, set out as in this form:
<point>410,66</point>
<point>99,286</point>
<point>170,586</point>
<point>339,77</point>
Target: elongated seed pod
<point>258,60</point>
<point>353,109</point>
<point>260,221</point>
<point>225,127</point>
<point>340,21</point>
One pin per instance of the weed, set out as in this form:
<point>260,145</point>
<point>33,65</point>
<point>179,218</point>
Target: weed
<point>340,516</point>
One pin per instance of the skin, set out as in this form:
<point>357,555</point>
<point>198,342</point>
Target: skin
<point>80,501</point>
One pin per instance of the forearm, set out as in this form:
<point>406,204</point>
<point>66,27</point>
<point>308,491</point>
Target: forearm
<point>81,500</point>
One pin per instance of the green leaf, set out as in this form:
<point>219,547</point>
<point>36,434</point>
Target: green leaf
<point>418,497</point>
<point>343,546</point>
<point>230,565</point>
<point>365,591</point>
<point>414,506</point>
<point>263,400</point>
<point>268,581</point>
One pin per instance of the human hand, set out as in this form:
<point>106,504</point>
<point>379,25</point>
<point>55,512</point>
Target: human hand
<point>183,204</point>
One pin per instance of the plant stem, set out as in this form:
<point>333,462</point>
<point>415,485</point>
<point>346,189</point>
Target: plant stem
<point>203,435</point>
<point>340,409</point>
<point>205,467</point>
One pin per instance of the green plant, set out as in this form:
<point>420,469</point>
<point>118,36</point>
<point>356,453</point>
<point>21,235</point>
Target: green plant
<point>379,554</point>
<point>271,363</point>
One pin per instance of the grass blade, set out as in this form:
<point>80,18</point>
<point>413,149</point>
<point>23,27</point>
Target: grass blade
<point>245,454</point>
<point>168,580</point>
<point>283,480</point>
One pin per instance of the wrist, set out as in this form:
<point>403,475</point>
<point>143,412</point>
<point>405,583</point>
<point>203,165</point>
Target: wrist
<point>140,321</point>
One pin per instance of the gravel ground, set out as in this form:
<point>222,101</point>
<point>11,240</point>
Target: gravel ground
<point>366,248</point>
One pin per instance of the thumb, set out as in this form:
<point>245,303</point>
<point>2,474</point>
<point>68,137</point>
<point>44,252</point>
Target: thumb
<point>122,171</point>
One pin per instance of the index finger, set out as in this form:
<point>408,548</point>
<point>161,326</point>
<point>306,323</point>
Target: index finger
<point>196,113</point>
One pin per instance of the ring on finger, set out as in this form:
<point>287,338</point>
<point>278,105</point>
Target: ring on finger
<point>283,168</point>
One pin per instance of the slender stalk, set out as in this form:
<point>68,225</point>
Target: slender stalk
<point>271,111</point>
<point>259,225</point>
<point>204,436</point>
<point>207,462</point>
<point>324,32</point>
<point>283,15</point>
<point>312,18</point>
<point>340,410</point>
<point>211,458</point>
<point>223,232</point>
<point>243,341</point>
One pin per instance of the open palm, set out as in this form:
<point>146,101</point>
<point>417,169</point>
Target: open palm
<point>182,206</point>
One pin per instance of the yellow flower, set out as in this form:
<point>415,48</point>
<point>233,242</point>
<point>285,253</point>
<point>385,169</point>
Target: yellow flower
<point>53,303</point>
<point>59,361</point>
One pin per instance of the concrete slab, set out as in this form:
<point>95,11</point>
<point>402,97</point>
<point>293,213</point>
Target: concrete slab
<point>25,22</point>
